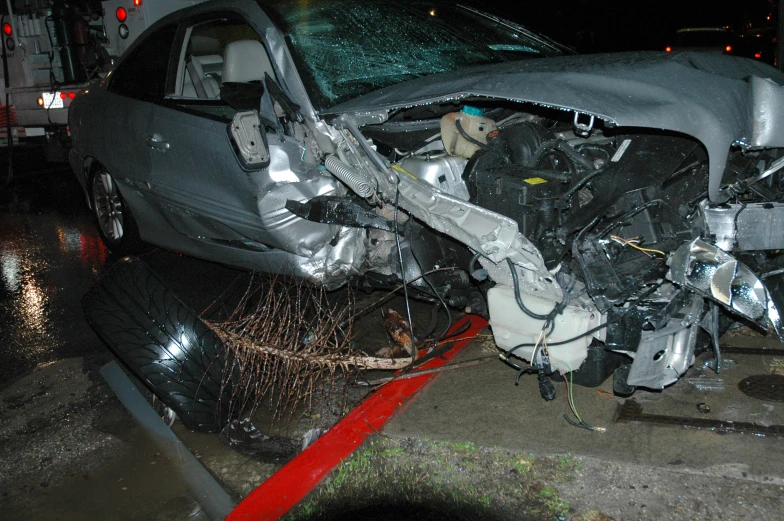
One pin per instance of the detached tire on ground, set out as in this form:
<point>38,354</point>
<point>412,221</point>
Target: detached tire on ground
<point>163,343</point>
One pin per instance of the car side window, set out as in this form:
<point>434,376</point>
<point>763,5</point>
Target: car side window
<point>217,51</point>
<point>143,74</point>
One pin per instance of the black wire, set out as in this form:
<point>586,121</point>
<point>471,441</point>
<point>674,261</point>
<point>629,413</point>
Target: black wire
<point>563,146</point>
<point>516,282</point>
<point>562,342</point>
<point>629,214</point>
<point>432,287</point>
<point>596,148</point>
<point>433,320</point>
<point>581,425</point>
<point>403,274</point>
<point>582,183</point>
<point>735,221</point>
<point>468,138</point>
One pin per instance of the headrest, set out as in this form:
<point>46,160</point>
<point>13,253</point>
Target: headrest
<point>246,60</point>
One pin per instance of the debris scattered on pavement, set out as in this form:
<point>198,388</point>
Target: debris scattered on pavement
<point>399,331</point>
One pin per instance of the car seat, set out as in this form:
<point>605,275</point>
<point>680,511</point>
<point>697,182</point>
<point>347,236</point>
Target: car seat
<point>202,77</point>
<point>245,61</point>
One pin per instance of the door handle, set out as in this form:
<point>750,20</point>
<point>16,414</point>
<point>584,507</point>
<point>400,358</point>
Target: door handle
<point>156,141</point>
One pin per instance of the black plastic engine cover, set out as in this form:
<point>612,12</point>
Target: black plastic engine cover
<point>524,194</point>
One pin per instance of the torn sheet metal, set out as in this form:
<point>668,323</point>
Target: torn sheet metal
<point>752,226</point>
<point>720,100</point>
<point>665,354</point>
<point>709,271</point>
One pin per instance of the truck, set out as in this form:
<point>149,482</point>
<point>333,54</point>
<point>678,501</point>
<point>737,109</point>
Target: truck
<point>52,50</point>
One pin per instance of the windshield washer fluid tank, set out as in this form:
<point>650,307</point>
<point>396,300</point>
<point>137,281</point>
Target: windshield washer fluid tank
<point>475,125</point>
<point>511,327</point>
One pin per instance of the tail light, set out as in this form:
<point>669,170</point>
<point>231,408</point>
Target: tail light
<point>728,49</point>
<point>668,49</point>
<point>757,55</point>
<point>121,14</point>
<point>7,29</point>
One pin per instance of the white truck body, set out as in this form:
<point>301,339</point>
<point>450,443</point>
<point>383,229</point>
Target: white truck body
<point>39,94</point>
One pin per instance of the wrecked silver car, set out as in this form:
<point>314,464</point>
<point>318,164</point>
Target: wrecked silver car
<point>610,213</point>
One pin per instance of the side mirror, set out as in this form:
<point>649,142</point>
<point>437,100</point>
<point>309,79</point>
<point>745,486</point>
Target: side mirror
<point>249,141</point>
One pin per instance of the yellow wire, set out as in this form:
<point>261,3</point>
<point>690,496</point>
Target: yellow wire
<point>628,242</point>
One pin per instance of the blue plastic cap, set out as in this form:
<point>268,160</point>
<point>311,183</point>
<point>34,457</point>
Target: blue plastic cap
<point>473,111</point>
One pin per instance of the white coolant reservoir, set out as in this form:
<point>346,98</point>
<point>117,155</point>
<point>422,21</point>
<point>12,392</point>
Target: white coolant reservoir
<point>475,125</point>
<point>512,327</point>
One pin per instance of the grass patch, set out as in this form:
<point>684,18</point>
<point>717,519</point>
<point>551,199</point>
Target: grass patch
<point>425,479</point>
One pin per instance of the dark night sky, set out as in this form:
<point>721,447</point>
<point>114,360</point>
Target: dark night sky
<point>612,25</point>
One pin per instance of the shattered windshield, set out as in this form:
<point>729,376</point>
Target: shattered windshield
<point>346,48</point>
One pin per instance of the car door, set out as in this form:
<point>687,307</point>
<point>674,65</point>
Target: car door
<point>195,174</point>
<point>119,120</point>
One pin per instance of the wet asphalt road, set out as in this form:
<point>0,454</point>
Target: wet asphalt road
<point>50,255</point>
<point>68,449</point>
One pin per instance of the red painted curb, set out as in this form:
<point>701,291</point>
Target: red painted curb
<point>289,485</point>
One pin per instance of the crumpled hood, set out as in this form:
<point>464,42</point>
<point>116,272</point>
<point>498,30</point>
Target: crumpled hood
<point>717,99</point>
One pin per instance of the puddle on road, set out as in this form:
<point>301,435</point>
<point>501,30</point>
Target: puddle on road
<point>138,484</point>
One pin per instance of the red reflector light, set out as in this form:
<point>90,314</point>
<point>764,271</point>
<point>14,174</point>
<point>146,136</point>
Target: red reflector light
<point>757,55</point>
<point>71,95</point>
<point>728,48</point>
<point>7,29</point>
<point>62,95</point>
<point>122,14</point>
<point>137,3</point>
<point>668,49</point>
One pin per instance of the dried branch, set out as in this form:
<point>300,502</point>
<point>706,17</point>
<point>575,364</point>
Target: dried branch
<point>287,343</point>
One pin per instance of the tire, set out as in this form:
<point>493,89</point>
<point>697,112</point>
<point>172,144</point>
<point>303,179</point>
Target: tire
<point>116,225</point>
<point>163,343</point>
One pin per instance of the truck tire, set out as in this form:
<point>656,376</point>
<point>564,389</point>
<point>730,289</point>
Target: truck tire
<point>163,343</point>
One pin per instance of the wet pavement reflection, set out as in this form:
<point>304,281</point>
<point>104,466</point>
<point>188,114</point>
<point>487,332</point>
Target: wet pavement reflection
<point>50,254</point>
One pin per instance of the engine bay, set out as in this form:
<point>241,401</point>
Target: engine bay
<point>584,238</point>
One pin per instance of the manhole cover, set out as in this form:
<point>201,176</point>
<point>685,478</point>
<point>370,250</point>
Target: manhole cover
<point>768,387</point>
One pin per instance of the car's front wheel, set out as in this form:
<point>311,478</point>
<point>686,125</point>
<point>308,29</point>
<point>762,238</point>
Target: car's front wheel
<point>115,222</point>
